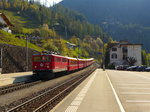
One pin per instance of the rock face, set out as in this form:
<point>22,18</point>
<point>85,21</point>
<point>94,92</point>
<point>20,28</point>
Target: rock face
<point>14,58</point>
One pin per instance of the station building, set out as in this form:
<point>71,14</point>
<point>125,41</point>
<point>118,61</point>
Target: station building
<point>119,52</point>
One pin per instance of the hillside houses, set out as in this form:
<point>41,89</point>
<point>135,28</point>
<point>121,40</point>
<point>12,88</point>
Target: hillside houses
<point>5,23</point>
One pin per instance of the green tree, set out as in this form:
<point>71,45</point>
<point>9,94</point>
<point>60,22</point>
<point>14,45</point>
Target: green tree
<point>145,60</point>
<point>131,60</point>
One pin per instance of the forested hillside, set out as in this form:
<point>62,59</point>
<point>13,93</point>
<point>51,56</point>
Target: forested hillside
<point>51,28</point>
<point>123,19</point>
<point>35,15</point>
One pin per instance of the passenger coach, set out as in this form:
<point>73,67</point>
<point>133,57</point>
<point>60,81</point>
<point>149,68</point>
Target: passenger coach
<point>72,64</point>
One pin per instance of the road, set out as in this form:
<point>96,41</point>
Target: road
<point>132,88</point>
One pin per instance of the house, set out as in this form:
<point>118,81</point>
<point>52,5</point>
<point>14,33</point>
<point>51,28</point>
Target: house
<point>71,45</point>
<point>120,51</point>
<point>5,23</point>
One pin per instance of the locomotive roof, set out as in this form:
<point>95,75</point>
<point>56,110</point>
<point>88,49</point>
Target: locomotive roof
<point>51,55</point>
<point>86,59</point>
<point>66,57</point>
<point>71,58</point>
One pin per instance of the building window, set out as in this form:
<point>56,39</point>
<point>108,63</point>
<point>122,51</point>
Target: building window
<point>124,49</point>
<point>114,49</point>
<point>114,56</point>
<point>124,57</point>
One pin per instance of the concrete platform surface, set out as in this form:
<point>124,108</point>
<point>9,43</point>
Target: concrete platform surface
<point>93,95</point>
<point>11,78</point>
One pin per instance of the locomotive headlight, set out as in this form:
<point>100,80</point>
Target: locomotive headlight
<point>35,66</point>
<point>47,66</point>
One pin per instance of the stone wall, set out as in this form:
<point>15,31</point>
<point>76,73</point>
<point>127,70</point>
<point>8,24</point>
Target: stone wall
<point>14,58</point>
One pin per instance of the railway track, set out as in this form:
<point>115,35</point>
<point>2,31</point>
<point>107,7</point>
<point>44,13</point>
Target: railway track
<point>14,87</point>
<point>48,99</point>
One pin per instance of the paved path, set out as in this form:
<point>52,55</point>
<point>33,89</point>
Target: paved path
<point>110,91</point>
<point>11,78</point>
<point>2,76</point>
<point>133,89</point>
<point>93,95</point>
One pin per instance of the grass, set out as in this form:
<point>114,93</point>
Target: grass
<point>20,18</point>
<point>7,38</point>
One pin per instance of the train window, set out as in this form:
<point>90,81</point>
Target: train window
<point>55,59</point>
<point>46,58</point>
<point>73,62</point>
<point>41,58</point>
<point>70,61</point>
<point>58,59</point>
<point>37,59</point>
<point>64,60</point>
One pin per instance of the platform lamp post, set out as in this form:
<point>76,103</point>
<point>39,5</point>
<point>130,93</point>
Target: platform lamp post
<point>103,57</point>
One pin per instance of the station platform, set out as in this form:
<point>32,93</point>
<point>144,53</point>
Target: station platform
<point>12,78</point>
<point>93,95</point>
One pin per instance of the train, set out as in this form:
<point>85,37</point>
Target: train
<point>47,64</point>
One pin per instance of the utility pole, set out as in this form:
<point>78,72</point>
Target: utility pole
<point>78,48</point>
<point>66,31</point>
<point>1,57</point>
<point>27,54</point>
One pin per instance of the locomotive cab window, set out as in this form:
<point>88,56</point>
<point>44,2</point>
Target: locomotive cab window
<point>46,58</point>
<point>37,59</point>
<point>41,58</point>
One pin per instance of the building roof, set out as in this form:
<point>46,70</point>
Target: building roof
<point>7,22</point>
<point>123,43</point>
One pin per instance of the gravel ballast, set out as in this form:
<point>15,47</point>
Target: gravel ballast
<point>12,99</point>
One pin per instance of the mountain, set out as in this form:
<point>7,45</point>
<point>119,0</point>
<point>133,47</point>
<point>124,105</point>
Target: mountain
<point>124,11</point>
<point>123,19</point>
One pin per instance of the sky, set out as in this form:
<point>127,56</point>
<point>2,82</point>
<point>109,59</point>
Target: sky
<point>51,2</point>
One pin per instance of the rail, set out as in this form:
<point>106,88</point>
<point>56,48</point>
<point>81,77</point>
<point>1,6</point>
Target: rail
<point>48,99</point>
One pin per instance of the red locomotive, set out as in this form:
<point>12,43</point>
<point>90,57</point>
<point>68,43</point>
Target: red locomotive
<point>47,64</point>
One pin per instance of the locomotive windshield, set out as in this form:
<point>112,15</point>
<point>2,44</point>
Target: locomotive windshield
<point>41,58</point>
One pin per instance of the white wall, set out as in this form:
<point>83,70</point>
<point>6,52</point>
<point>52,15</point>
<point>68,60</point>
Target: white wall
<point>119,55</point>
<point>5,28</point>
<point>135,51</point>
<point>2,21</point>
